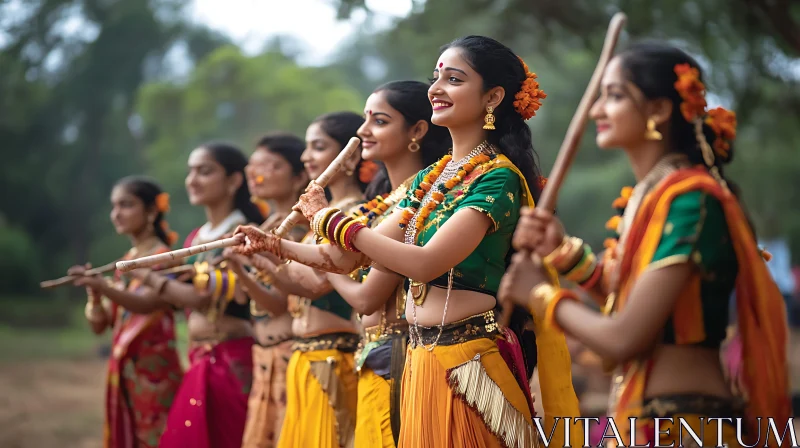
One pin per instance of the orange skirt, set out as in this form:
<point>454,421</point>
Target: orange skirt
<point>463,395</point>
<point>267,404</point>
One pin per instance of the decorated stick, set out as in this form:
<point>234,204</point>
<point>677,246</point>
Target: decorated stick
<point>144,262</point>
<point>67,280</point>
<point>322,181</point>
<point>569,147</point>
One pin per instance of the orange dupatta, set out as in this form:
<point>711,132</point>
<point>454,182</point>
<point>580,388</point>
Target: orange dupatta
<point>761,314</point>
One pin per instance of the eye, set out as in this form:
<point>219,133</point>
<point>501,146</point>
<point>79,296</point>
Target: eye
<point>433,80</point>
<point>453,79</point>
<point>379,122</point>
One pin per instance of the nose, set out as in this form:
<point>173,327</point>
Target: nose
<point>363,131</point>
<point>596,111</point>
<point>306,155</point>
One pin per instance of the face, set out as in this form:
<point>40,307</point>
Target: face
<point>456,92</point>
<point>320,151</point>
<point>207,182</point>
<point>128,213</point>
<point>384,134</point>
<point>270,176</point>
<point>618,111</point>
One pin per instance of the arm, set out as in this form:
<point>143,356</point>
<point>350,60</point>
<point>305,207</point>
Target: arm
<point>294,278</point>
<point>635,329</point>
<point>271,299</point>
<point>96,314</point>
<point>145,300</point>
<point>369,296</point>
<point>176,293</point>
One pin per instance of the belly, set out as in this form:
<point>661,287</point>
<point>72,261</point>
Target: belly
<point>685,369</point>
<point>314,321</point>
<point>460,305</point>
<point>267,331</point>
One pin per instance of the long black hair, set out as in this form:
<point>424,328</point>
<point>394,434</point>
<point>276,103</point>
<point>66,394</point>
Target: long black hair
<point>650,66</point>
<point>342,126</point>
<point>286,145</point>
<point>233,161</point>
<point>147,190</point>
<point>499,66</point>
<point>410,98</point>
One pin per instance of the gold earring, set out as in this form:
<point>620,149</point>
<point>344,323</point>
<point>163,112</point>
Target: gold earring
<point>413,146</point>
<point>652,133</point>
<point>489,119</point>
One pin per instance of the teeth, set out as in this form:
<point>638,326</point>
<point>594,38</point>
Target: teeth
<point>441,104</point>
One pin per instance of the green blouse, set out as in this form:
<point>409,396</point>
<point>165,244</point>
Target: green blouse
<point>696,231</point>
<point>494,191</point>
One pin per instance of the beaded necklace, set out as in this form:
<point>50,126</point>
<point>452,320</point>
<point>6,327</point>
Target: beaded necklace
<point>381,203</point>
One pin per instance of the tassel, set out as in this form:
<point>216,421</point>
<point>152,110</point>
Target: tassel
<point>398,362</point>
<point>325,373</point>
<point>471,383</point>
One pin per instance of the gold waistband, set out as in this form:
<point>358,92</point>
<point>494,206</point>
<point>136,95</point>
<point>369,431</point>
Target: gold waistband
<point>343,342</point>
<point>378,332</point>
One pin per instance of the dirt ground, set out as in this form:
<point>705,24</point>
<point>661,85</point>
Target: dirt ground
<point>52,404</point>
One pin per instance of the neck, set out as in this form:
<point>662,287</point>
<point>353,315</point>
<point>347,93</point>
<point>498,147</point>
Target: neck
<point>283,205</point>
<point>343,187</point>
<point>466,139</point>
<point>644,157</point>
<point>143,239</point>
<point>215,214</point>
<point>403,167</point>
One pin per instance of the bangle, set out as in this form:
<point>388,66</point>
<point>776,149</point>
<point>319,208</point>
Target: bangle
<point>347,242</point>
<point>336,237</point>
<point>201,276</point>
<point>564,254</point>
<point>584,268</point>
<point>216,285</point>
<point>593,278</point>
<point>92,314</point>
<point>231,286</point>
<point>550,296</point>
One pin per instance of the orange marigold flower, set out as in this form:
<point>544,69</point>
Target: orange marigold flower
<point>425,185</point>
<point>610,243</point>
<point>542,182</point>
<point>626,192</point>
<point>438,197</point>
<point>691,90</point>
<point>461,173</point>
<point>613,223</point>
<point>162,202</point>
<point>619,203</point>
<point>263,206</point>
<point>529,98</point>
<point>367,171</point>
<point>468,167</point>
<point>723,123</point>
<point>419,193</point>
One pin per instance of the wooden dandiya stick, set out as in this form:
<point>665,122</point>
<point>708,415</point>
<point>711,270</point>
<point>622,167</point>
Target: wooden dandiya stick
<point>67,280</point>
<point>577,126</point>
<point>237,240</point>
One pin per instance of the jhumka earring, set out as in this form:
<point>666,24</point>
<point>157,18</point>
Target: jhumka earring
<point>413,146</point>
<point>489,119</point>
<point>652,133</point>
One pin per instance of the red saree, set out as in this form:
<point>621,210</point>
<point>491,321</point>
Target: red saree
<point>144,373</point>
<point>211,406</point>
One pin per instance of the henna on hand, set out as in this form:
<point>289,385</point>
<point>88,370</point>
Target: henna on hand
<point>312,201</point>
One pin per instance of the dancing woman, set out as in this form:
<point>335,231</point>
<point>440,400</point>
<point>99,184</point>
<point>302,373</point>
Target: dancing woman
<point>684,245</point>
<point>211,406</point>
<point>465,380</point>
<point>144,370</point>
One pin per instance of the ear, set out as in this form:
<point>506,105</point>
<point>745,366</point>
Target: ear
<point>234,182</point>
<point>659,110</point>
<point>495,96</point>
<point>419,130</point>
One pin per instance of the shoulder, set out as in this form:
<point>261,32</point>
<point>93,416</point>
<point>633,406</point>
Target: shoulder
<point>190,237</point>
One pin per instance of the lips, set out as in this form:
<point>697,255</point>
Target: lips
<point>440,104</point>
<point>366,144</point>
<point>602,128</point>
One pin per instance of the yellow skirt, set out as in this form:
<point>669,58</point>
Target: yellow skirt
<point>321,395</point>
<point>373,425</point>
<point>267,405</point>
<point>463,395</point>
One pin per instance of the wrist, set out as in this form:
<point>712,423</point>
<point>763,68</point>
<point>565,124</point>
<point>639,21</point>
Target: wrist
<point>544,301</point>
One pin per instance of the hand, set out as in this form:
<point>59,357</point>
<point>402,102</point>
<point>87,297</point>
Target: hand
<point>539,231</point>
<point>255,241</point>
<point>312,201</point>
<point>521,277</point>
<point>235,261</point>
<point>140,274</point>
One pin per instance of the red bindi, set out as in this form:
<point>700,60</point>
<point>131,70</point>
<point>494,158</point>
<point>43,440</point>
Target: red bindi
<point>440,65</point>
<point>369,112</point>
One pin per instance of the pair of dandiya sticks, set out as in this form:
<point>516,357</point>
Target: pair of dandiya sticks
<point>566,154</point>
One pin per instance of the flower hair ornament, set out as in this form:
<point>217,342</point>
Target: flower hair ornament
<point>162,202</point>
<point>529,98</point>
<point>367,171</point>
<point>162,205</point>
<point>693,109</point>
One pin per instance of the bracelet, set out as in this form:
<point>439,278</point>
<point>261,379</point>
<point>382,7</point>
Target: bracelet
<point>347,242</point>
<point>231,286</point>
<point>92,314</point>
<point>317,218</point>
<point>564,254</point>
<point>550,296</point>
<point>201,277</point>
<point>593,278</point>
<point>584,268</point>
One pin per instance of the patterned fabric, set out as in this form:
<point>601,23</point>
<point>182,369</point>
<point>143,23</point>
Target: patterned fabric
<point>211,406</point>
<point>495,190</point>
<point>267,405</point>
<point>144,374</point>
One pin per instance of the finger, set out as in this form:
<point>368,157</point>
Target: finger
<point>543,214</point>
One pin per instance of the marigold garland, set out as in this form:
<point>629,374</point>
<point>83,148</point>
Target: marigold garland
<point>437,197</point>
<point>529,98</point>
<point>374,208</point>
<point>692,90</point>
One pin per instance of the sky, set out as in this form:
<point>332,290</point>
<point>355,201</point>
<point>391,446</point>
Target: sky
<point>313,22</point>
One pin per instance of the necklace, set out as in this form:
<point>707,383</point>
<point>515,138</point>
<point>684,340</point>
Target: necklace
<point>378,206</point>
<point>429,195</point>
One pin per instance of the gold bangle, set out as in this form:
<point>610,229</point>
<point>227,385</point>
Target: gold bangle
<point>582,271</point>
<point>550,296</point>
<point>339,230</point>
<point>200,280</point>
<point>567,250</point>
<point>92,314</point>
<point>322,226</point>
<point>231,286</point>
<point>217,284</point>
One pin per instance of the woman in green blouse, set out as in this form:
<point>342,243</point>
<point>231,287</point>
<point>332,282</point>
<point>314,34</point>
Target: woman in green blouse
<point>465,381</point>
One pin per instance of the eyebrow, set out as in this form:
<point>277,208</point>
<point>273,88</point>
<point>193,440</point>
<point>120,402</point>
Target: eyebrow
<point>436,70</point>
<point>375,114</point>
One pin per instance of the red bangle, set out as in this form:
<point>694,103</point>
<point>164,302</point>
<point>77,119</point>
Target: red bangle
<point>332,225</point>
<point>350,236</point>
<point>592,280</point>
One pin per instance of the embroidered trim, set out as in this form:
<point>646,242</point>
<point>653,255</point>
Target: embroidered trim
<point>472,384</point>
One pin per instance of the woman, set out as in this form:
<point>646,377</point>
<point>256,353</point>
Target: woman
<point>144,370</point>
<point>210,409</point>
<point>465,381</point>
<point>684,245</point>
<point>321,380</point>
<point>397,132</point>
<point>275,175</point>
